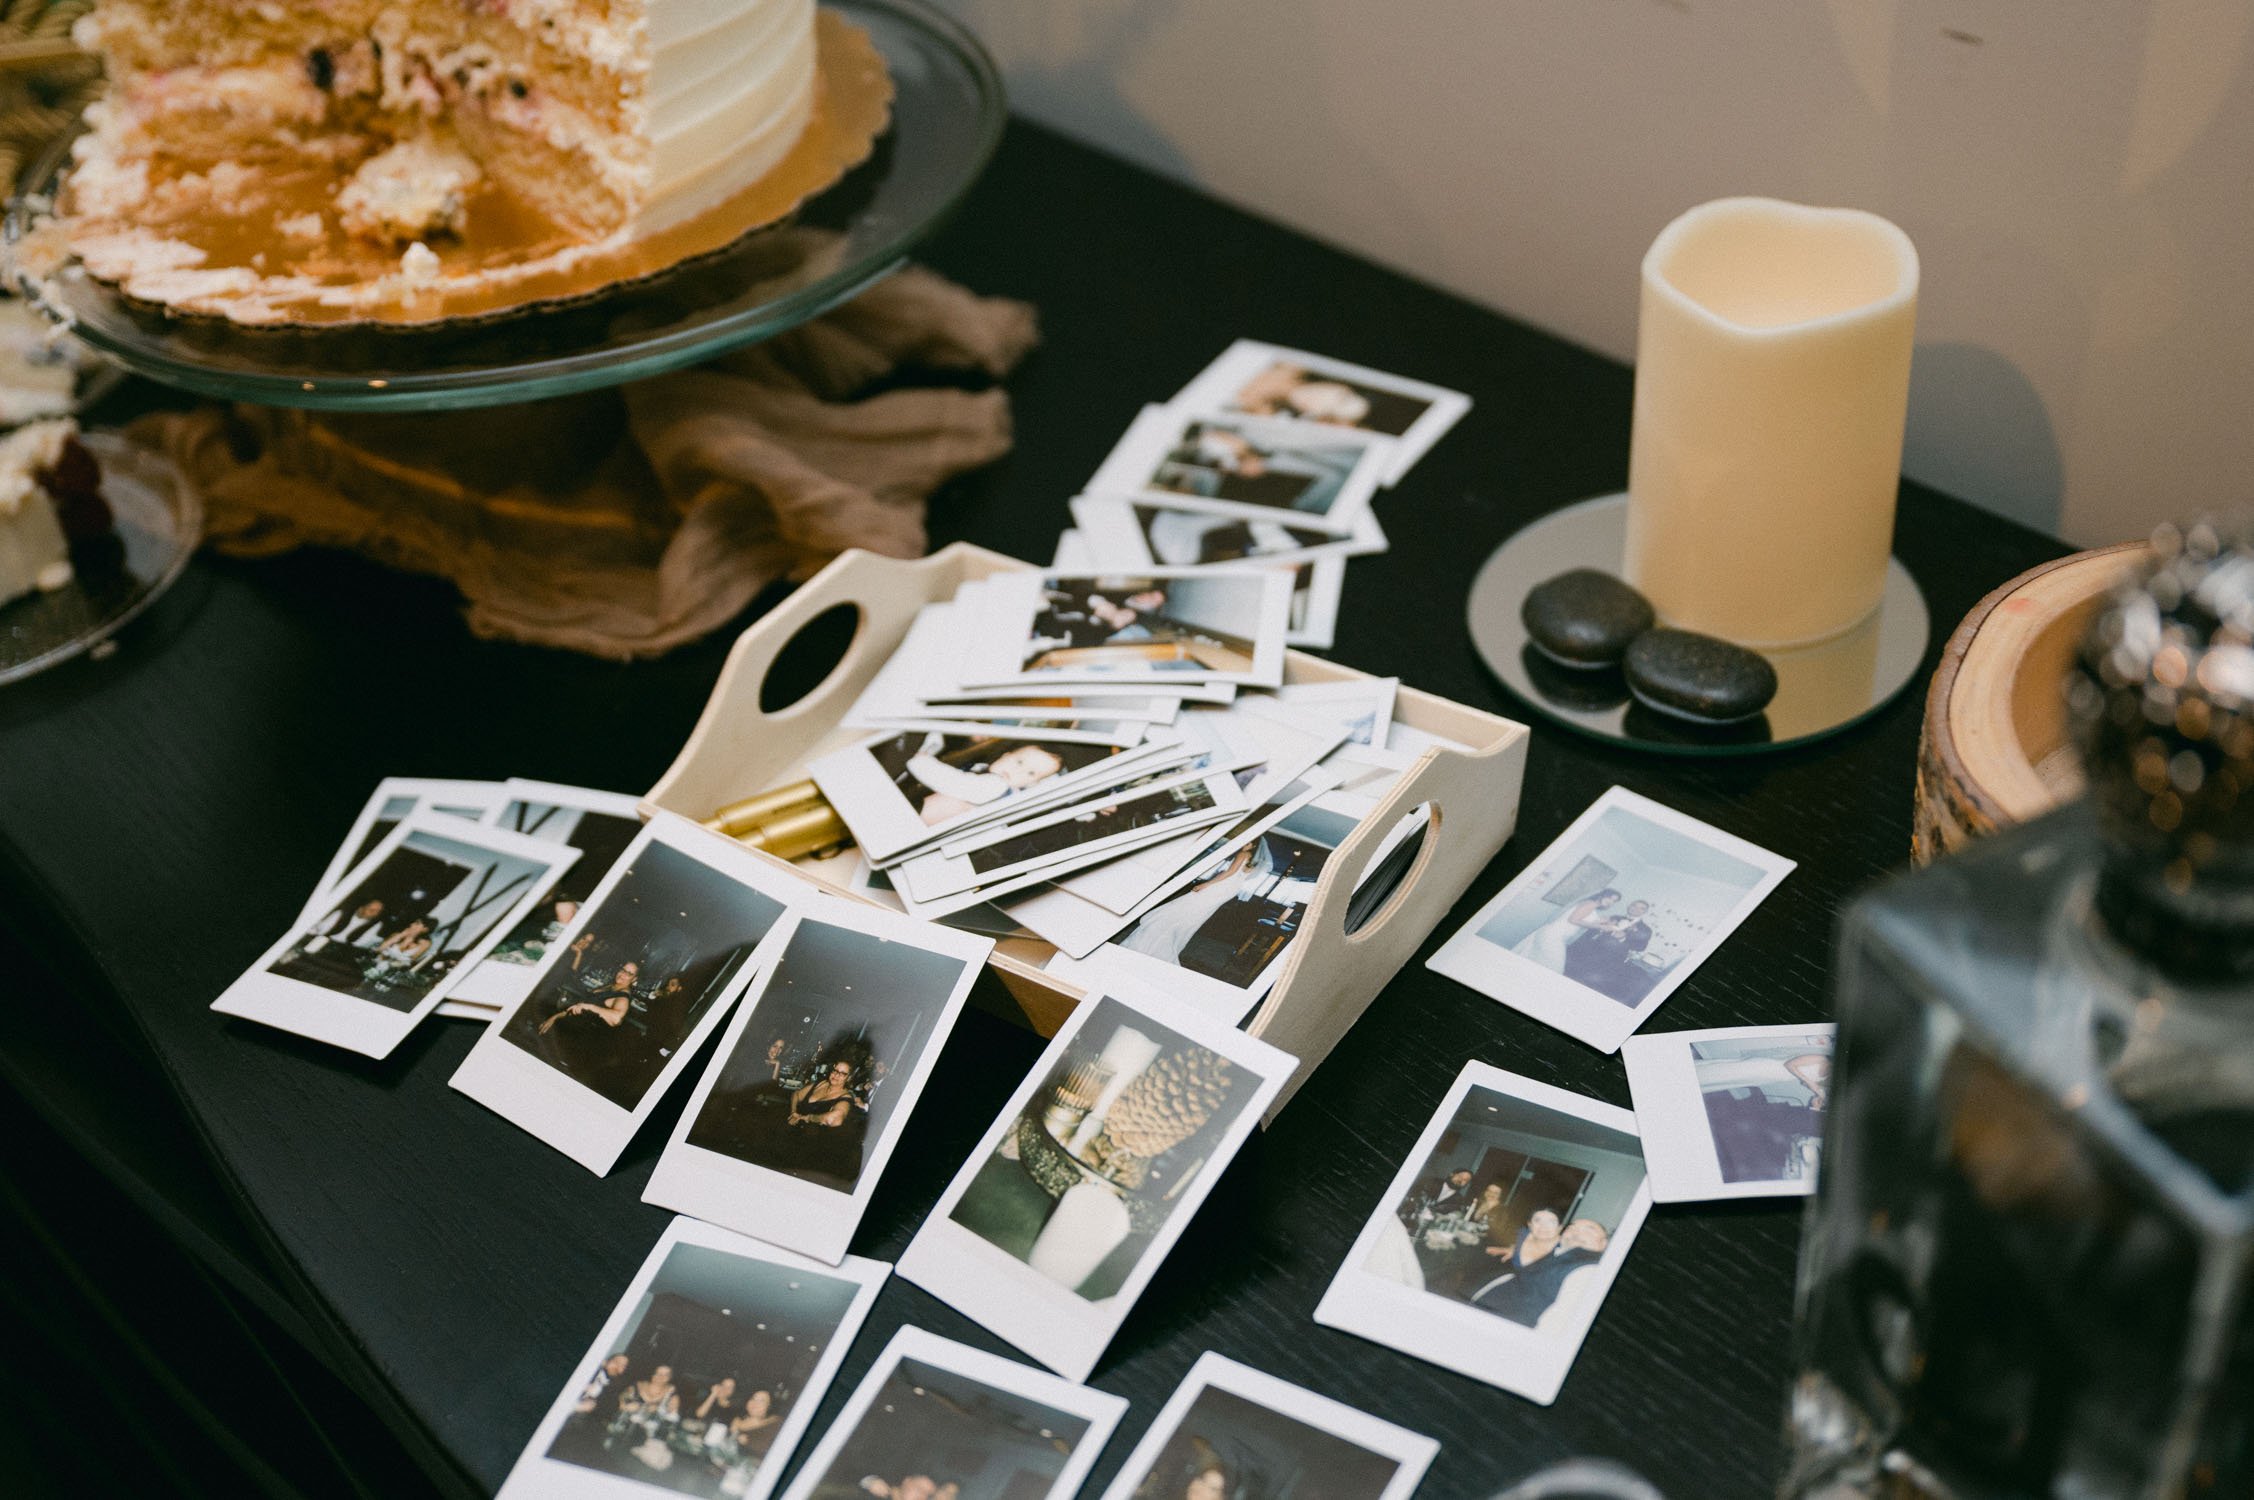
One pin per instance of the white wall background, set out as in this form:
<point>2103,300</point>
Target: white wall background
<point>2078,176</point>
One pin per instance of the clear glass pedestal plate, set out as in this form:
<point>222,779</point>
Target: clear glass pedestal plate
<point>946,120</point>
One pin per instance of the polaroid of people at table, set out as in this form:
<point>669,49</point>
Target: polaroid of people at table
<point>1067,1208</point>
<point>1321,478</point>
<point>397,934</point>
<point>704,1377</point>
<point>1734,1113</point>
<point>599,825</point>
<point>938,1420</point>
<point>900,790</point>
<point>813,1081</point>
<point>1230,1430</point>
<point>1611,918</point>
<point>1155,626</point>
<point>393,799</point>
<point>1263,380</point>
<point>1496,1242</point>
<point>630,990</point>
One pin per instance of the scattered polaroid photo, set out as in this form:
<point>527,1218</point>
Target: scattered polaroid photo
<point>1315,591</point>
<point>1277,752</point>
<point>1362,706</point>
<point>938,1420</point>
<point>1153,628</point>
<point>814,1079</point>
<point>1611,918</point>
<point>1263,380</point>
<point>1072,836</point>
<point>1499,1237</point>
<point>704,1377</point>
<point>630,990</point>
<point>1734,1113</point>
<point>398,933</point>
<point>1219,941</point>
<point>1230,1430</point>
<point>1077,925</point>
<point>1320,478</point>
<point>393,799</point>
<point>1119,533</point>
<point>1064,1212</point>
<point>599,825</point>
<point>899,790</point>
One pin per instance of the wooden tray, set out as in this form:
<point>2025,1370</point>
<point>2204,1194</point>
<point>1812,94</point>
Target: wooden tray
<point>1331,975</point>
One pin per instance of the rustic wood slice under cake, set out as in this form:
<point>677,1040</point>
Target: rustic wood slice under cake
<point>1993,750</point>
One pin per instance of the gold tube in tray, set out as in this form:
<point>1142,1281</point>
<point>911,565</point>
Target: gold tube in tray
<point>751,812</point>
<point>801,831</point>
<point>1328,977</point>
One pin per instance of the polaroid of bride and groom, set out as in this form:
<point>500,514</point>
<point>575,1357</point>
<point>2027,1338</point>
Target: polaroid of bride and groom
<point>1612,917</point>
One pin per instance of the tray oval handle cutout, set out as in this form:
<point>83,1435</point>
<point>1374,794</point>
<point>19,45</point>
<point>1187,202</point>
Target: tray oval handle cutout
<point>811,658</point>
<point>1417,850</point>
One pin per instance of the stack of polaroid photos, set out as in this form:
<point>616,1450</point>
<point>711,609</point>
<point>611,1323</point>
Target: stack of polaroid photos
<point>1111,763</point>
<point>1272,457</point>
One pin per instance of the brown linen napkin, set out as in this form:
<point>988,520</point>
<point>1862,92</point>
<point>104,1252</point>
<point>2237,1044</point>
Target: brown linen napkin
<point>623,523</point>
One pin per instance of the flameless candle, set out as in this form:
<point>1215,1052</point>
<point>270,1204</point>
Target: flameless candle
<point>1772,381</point>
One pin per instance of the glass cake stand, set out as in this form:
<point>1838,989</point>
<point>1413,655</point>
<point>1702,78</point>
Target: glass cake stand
<point>947,114</point>
<point>159,518</point>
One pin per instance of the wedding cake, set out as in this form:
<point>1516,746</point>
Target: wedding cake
<point>309,131</point>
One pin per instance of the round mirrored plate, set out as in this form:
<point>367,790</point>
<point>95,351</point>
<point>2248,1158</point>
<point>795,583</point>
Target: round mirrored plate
<point>947,116</point>
<point>159,518</point>
<point>1821,689</point>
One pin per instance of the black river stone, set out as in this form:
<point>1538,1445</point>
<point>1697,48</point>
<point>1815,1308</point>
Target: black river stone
<point>1584,618</point>
<point>1698,677</point>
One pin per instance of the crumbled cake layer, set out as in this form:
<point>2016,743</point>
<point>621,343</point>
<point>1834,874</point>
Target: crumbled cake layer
<point>261,150</point>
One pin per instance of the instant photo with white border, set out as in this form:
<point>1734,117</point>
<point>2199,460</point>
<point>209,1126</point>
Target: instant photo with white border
<point>1099,1410</point>
<point>1314,604</point>
<point>784,1209</point>
<point>495,985</point>
<point>468,800</point>
<point>887,824</point>
<point>1411,1452</point>
<point>564,1111</point>
<point>1218,386</point>
<point>1122,534</point>
<point>1341,467</point>
<point>538,1476</point>
<point>1000,650</point>
<point>367,1026</point>
<point>1005,1294</point>
<point>1673,1091</point>
<point>1724,876</point>
<point>1456,1335</point>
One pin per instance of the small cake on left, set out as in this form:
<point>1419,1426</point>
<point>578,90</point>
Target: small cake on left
<point>50,503</point>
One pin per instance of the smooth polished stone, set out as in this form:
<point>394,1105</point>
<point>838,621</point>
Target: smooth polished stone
<point>1698,676</point>
<point>1584,618</point>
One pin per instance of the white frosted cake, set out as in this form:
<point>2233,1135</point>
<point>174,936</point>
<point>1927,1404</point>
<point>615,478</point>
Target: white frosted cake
<point>34,552</point>
<point>324,127</point>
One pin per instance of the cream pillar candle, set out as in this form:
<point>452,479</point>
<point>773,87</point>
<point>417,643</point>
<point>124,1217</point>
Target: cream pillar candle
<point>1772,380</point>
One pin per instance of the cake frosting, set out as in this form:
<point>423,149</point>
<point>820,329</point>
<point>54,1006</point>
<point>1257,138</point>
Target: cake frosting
<point>327,126</point>
<point>34,553</point>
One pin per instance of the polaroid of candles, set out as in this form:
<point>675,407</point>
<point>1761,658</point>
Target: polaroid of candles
<point>1611,918</point>
<point>1118,1134</point>
<point>362,969</point>
<point>931,1409</point>
<point>1734,1113</point>
<point>630,989</point>
<point>710,1367</point>
<point>1497,1240</point>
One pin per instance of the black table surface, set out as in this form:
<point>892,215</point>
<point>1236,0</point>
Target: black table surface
<point>164,811</point>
